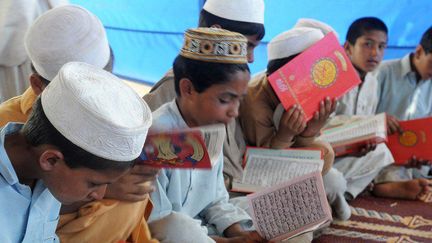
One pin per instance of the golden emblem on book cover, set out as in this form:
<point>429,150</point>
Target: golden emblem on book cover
<point>408,138</point>
<point>324,72</point>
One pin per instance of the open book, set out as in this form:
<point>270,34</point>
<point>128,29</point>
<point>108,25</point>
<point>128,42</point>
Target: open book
<point>416,139</point>
<point>347,135</point>
<point>291,208</point>
<point>267,167</point>
<point>320,71</point>
<point>197,147</point>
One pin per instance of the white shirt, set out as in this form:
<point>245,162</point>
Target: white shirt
<point>201,194</point>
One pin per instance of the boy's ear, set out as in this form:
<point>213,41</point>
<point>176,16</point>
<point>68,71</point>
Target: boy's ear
<point>347,47</point>
<point>418,52</point>
<point>36,83</point>
<point>186,87</point>
<point>49,158</point>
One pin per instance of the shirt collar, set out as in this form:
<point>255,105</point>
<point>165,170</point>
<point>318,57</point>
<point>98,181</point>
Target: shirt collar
<point>406,65</point>
<point>7,171</point>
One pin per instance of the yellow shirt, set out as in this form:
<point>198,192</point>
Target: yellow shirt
<point>17,109</point>
<point>107,221</point>
<point>256,120</point>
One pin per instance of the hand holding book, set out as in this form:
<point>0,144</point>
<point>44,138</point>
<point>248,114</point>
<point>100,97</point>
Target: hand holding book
<point>314,126</point>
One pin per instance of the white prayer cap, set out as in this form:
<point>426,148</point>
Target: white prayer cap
<point>293,41</point>
<point>97,111</point>
<point>66,34</point>
<point>251,11</point>
<point>313,23</point>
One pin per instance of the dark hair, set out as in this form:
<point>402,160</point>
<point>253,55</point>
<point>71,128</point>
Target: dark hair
<point>38,130</point>
<point>207,19</point>
<point>108,67</point>
<point>426,41</point>
<point>274,65</point>
<point>203,74</point>
<point>363,25</point>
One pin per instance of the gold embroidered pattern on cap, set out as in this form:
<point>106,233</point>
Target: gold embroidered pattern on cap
<point>214,45</point>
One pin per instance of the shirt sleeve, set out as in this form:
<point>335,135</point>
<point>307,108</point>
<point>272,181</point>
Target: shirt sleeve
<point>220,212</point>
<point>161,203</point>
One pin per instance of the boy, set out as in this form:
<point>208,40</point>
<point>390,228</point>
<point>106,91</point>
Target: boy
<point>76,142</point>
<point>16,17</point>
<point>260,103</point>
<point>55,38</point>
<point>404,92</point>
<point>365,43</point>
<point>242,16</point>
<point>209,81</point>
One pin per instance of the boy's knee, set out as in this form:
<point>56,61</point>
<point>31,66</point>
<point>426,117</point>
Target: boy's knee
<point>172,228</point>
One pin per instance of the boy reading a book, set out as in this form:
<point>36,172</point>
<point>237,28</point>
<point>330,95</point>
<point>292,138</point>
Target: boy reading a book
<point>405,86</point>
<point>260,103</point>
<point>53,158</point>
<point>211,76</point>
<point>55,38</point>
<point>365,43</point>
<point>245,17</point>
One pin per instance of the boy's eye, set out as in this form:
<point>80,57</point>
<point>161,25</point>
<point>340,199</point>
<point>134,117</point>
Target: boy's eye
<point>368,44</point>
<point>223,101</point>
<point>382,46</point>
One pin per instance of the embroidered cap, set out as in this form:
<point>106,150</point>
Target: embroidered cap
<point>214,45</point>
<point>292,42</point>
<point>65,34</point>
<point>251,11</point>
<point>79,103</point>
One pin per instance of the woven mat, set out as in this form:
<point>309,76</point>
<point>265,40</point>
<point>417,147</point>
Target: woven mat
<point>383,220</point>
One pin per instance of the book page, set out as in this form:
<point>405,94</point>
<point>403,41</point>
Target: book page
<point>358,129</point>
<point>264,171</point>
<point>214,136</point>
<point>294,207</point>
<point>289,153</point>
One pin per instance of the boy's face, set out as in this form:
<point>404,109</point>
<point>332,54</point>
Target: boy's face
<point>368,51</point>
<point>423,63</point>
<point>253,42</point>
<point>80,184</point>
<point>220,102</point>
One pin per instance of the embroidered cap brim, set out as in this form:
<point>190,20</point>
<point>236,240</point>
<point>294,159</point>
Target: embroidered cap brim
<point>214,45</point>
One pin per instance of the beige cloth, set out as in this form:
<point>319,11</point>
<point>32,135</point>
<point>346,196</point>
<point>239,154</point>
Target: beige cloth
<point>162,92</point>
<point>256,120</point>
<point>16,16</point>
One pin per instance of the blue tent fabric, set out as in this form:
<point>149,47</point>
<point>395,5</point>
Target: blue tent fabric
<point>147,35</point>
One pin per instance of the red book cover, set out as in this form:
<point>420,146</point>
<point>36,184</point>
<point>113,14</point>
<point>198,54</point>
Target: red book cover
<point>416,139</point>
<point>320,71</point>
<point>176,149</point>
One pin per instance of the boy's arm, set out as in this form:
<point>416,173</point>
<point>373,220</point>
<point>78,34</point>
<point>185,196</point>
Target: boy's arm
<point>220,212</point>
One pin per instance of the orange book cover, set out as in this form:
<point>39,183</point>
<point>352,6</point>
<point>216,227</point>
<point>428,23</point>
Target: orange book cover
<point>176,149</point>
<point>416,139</point>
<point>320,71</point>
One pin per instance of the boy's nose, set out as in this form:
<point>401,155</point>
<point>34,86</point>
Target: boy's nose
<point>99,193</point>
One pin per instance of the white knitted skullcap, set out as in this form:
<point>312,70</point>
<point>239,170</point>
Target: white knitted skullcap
<point>293,41</point>
<point>313,23</point>
<point>97,111</point>
<point>66,34</point>
<point>251,11</point>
